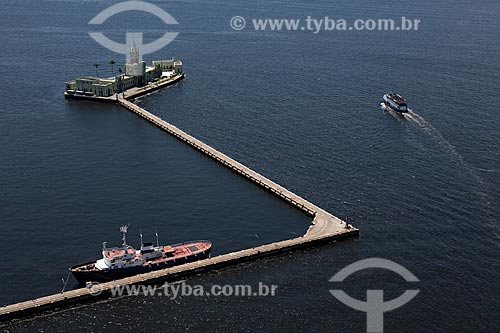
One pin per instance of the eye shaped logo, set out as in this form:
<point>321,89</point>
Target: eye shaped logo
<point>133,37</point>
<point>94,288</point>
<point>374,305</point>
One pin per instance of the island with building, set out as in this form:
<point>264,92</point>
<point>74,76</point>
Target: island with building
<point>137,79</point>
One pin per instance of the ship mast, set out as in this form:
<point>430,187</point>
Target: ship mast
<point>157,243</point>
<point>123,230</point>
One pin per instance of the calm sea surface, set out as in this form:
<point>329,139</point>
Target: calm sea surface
<point>298,107</point>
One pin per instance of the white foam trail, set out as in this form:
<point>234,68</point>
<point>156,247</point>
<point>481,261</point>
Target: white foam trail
<point>487,170</point>
<point>427,126</point>
<point>419,120</point>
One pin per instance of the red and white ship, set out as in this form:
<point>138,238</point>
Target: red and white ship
<point>123,261</point>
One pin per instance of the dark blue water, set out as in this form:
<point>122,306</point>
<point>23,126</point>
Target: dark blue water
<point>302,109</point>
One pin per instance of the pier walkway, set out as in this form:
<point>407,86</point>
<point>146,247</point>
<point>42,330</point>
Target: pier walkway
<point>324,227</point>
<point>323,222</point>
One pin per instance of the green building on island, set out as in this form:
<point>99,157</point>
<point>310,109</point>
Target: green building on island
<point>136,74</point>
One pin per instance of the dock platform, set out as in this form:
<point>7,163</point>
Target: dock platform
<point>131,93</point>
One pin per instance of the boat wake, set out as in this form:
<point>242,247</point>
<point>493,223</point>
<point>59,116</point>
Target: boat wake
<point>427,126</point>
<point>473,171</point>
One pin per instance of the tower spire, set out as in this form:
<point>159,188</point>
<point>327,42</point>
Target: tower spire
<point>134,53</point>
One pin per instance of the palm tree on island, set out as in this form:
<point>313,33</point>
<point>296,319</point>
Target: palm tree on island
<point>112,63</point>
<point>96,67</point>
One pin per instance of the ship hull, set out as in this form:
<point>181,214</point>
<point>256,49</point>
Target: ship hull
<point>114,274</point>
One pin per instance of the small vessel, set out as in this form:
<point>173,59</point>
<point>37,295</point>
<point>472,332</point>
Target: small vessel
<point>394,102</point>
<point>123,261</point>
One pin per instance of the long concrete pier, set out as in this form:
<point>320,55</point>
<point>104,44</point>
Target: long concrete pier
<point>323,222</point>
<point>324,228</point>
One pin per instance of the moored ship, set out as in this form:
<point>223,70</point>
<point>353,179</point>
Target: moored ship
<point>123,261</point>
<point>395,102</point>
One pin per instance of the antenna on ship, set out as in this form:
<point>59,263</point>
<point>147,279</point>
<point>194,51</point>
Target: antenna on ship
<point>157,243</point>
<point>140,230</point>
<point>123,230</point>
